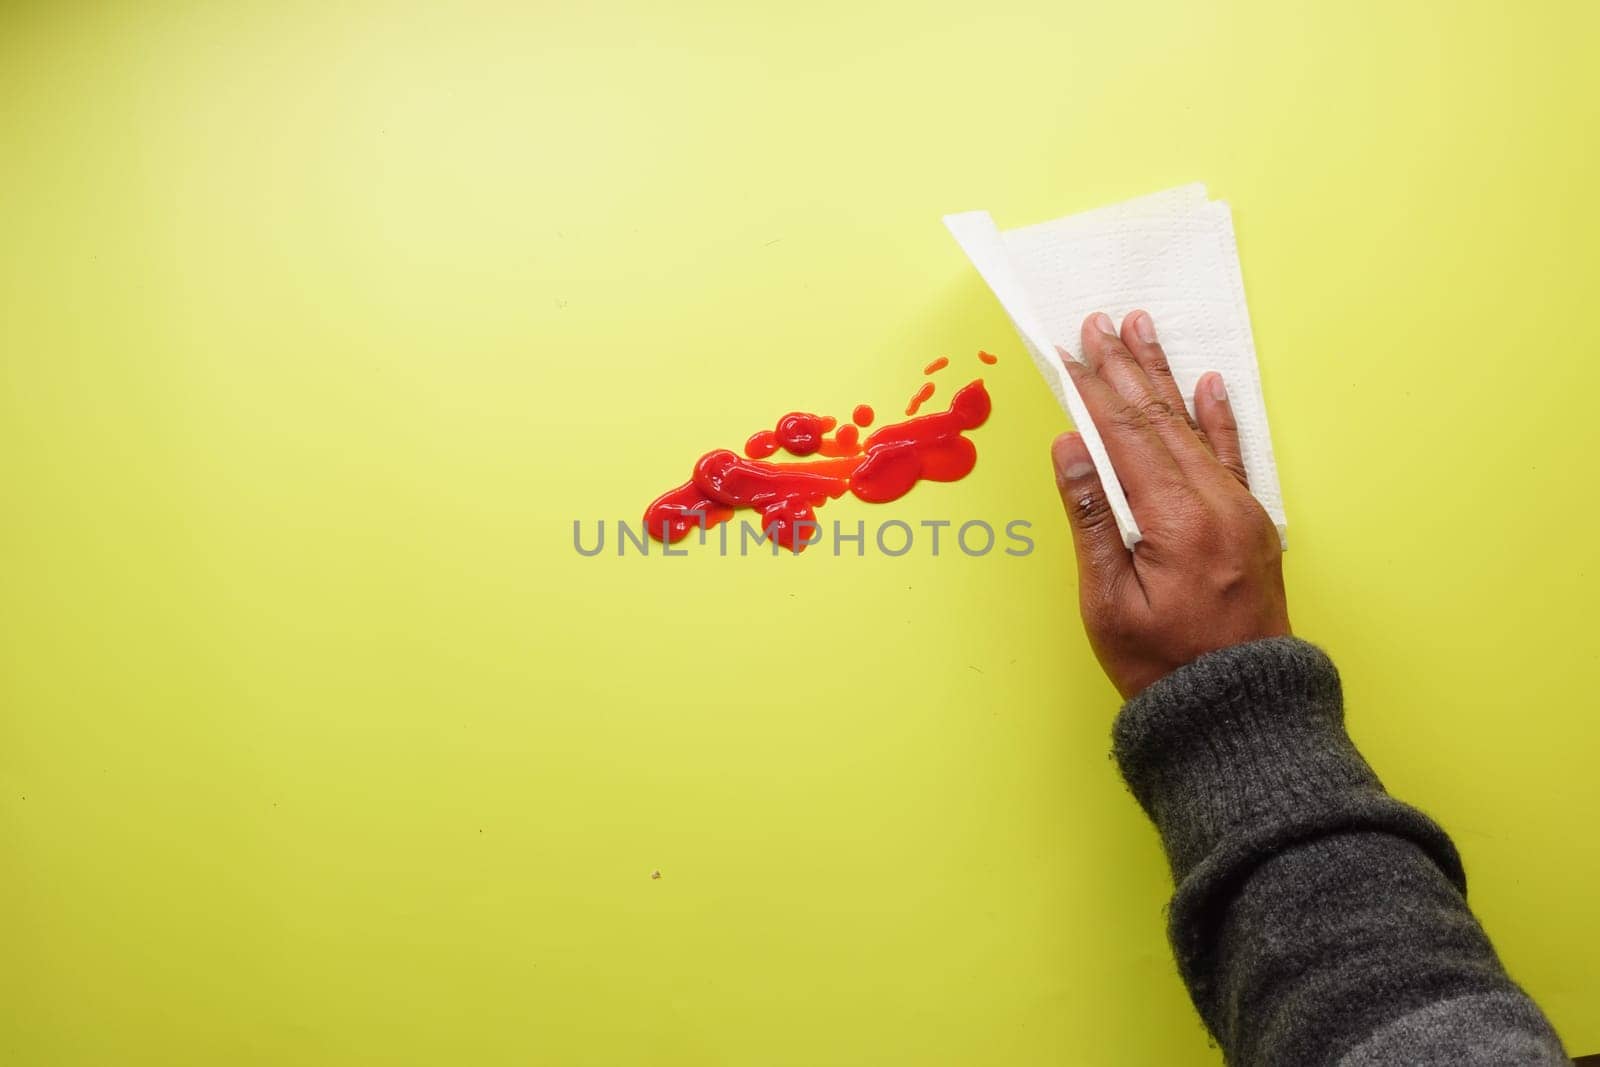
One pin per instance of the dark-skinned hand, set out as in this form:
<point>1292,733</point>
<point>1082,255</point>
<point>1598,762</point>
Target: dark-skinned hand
<point>1208,573</point>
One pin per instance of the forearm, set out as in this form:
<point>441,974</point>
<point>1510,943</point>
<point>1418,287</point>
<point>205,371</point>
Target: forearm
<point>1314,917</point>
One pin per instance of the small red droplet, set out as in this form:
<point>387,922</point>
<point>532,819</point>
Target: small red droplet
<point>762,444</point>
<point>939,364</point>
<point>800,433</point>
<point>987,358</point>
<point>862,416</point>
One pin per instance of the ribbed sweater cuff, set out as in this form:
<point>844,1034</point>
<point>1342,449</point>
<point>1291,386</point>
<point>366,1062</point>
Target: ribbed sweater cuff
<point>1245,748</point>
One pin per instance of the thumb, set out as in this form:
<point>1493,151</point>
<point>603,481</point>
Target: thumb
<point>1101,555</point>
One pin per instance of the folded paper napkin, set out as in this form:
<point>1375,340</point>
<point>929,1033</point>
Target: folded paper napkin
<point>1171,253</point>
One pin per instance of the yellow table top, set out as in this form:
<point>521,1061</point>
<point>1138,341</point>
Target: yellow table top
<point>322,323</point>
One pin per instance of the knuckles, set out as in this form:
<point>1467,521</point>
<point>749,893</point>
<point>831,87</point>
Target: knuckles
<point>1248,520</point>
<point>1154,409</point>
<point>1157,367</point>
<point>1091,510</point>
<point>1127,418</point>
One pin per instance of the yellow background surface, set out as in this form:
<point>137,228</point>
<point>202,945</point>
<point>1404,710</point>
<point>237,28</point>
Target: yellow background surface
<point>321,323</point>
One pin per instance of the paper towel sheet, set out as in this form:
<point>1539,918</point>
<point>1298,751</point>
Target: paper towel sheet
<point>1171,253</point>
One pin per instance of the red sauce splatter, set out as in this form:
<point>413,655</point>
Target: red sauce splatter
<point>930,446</point>
<point>922,395</point>
<point>846,442</point>
<point>987,358</point>
<point>673,514</point>
<point>894,458</point>
<point>862,415</point>
<point>939,364</point>
<point>762,444</point>
<point>800,433</point>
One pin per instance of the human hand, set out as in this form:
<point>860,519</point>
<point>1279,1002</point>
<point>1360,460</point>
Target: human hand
<point>1208,573</point>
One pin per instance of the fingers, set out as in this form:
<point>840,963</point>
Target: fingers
<point>1102,559</point>
<point>1158,400</point>
<point>1139,337</point>
<point>1144,464</point>
<point>1215,415</point>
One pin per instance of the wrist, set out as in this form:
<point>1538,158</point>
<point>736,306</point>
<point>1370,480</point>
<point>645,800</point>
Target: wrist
<point>1239,739</point>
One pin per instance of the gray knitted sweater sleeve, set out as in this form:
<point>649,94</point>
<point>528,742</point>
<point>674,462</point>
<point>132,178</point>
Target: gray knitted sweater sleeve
<point>1316,920</point>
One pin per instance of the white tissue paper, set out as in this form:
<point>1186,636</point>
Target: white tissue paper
<point>1170,253</point>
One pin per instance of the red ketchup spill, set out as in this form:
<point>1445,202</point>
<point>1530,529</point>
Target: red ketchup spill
<point>939,364</point>
<point>987,358</point>
<point>862,415</point>
<point>922,395</point>
<point>884,467</point>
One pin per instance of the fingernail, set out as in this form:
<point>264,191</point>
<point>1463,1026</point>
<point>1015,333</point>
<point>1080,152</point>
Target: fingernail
<point>1102,322</point>
<point>1078,465</point>
<point>1219,392</point>
<point>1144,327</point>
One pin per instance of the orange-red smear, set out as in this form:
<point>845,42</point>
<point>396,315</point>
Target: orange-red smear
<point>922,395</point>
<point>862,415</point>
<point>885,467</point>
<point>987,358</point>
<point>939,364</point>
